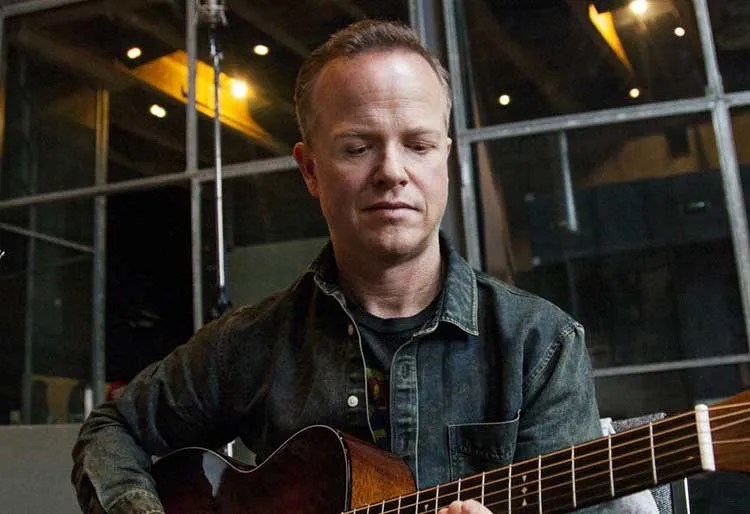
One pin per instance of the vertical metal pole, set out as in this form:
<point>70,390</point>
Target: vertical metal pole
<point>191,163</point>
<point>28,165</point>
<point>463,149</point>
<point>568,207</point>
<point>222,302</point>
<point>99,279</point>
<point>730,171</point>
<point>3,90</point>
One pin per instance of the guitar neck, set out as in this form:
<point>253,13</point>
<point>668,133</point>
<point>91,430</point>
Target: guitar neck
<point>586,474</point>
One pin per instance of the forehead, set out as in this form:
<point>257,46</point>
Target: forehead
<point>377,79</point>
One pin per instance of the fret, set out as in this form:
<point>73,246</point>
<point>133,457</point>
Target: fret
<point>593,472</point>
<point>653,451</point>
<point>496,490</point>
<point>409,503</point>
<point>484,480</point>
<point>573,474</point>
<point>677,452</point>
<point>458,490</point>
<point>392,506</point>
<point>437,498</point>
<point>510,488</point>
<point>555,482</point>
<point>539,482</point>
<point>471,487</point>
<point>631,459</point>
<point>611,469</point>
<point>448,493</point>
<point>427,500</point>
<point>382,508</point>
<point>524,489</point>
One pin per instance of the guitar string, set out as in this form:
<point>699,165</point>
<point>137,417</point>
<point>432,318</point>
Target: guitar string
<point>594,453</point>
<point>565,474</point>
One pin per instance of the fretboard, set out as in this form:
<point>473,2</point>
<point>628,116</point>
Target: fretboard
<point>586,474</point>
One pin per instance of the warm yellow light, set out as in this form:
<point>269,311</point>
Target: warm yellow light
<point>261,49</point>
<point>134,53</point>
<point>639,7</point>
<point>634,93</point>
<point>679,31</point>
<point>239,89</point>
<point>157,110</point>
<point>503,99</point>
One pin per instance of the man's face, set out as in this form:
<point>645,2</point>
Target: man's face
<point>377,159</point>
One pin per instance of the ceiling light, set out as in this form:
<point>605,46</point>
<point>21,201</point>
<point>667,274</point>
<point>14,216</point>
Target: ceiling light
<point>157,110</point>
<point>239,89</point>
<point>503,100</point>
<point>639,7</point>
<point>261,49</point>
<point>134,53</point>
<point>679,31</point>
<point>634,93</point>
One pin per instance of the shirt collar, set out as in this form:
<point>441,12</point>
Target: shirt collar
<point>459,297</point>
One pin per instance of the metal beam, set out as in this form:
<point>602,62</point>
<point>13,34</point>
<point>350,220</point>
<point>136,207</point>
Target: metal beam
<point>661,367</point>
<point>31,6</point>
<point>588,119</point>
<point>47,238</point>
<point>730,170</point>
<point>462,145</point>
<point>205,175</point>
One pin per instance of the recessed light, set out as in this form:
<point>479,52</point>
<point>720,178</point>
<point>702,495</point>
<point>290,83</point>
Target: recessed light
<point>261,50</point>
<point>503,99</point>
<point>679,31</point>
<point>634,93</point>
<point>134,53</point>
<point>157,110</point>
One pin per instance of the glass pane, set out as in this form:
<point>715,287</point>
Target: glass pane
<point>263,45</point>
<point>45,319</point>
<point>629,234</point>
<point>149,284</point>
<point>59,58</point>
<point>730,20</point>
<point>528,60</point>
<point>273,230</point>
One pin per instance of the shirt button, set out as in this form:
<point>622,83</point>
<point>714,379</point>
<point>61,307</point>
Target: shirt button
<point>352,401</point>
<point>350,329</point>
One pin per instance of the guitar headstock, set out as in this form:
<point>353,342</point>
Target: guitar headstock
<point>730,432</point>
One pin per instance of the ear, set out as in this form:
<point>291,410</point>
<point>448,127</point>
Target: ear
<point>306,162</point>
<point>450,145</point>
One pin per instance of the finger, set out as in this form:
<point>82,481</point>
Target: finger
<point>474,507</point>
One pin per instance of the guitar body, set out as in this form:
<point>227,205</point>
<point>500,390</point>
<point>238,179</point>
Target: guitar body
<point>322,471</point>
<point>317,471</point>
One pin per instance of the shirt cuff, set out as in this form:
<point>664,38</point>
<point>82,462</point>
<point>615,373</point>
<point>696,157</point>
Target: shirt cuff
<point>137,501</point>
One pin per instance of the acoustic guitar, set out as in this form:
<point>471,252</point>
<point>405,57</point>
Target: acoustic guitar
<point>322,471</point>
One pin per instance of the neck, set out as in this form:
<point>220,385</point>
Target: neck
<point>395,289</point>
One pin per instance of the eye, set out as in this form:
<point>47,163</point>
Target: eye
<point>355,150</point>
<point>421,146</point>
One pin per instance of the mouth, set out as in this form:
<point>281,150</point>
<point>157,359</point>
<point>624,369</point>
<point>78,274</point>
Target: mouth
<point>389,206</point>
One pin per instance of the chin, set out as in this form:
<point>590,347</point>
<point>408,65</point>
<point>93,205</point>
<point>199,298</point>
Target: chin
<point>397,244</point>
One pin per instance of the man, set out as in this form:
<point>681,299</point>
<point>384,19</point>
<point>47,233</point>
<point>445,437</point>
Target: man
<point>390,335</point>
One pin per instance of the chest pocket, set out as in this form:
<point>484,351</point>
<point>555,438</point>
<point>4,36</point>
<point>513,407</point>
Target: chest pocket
<point>479,447</point>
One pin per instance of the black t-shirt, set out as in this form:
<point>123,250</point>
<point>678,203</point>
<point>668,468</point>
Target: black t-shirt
<point>380,340</point>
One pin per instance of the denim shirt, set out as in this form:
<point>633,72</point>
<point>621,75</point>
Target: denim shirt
<point>499,375</point>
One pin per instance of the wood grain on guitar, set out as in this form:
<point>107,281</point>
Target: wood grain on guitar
<point>322,471</point>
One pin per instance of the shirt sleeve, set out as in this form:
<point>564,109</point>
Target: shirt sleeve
<point>172,403</point>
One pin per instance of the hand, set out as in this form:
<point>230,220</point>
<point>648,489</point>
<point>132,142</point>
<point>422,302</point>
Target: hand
<point>464,507</point>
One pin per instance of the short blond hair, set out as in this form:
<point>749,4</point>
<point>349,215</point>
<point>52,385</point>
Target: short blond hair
<point>357,38</point>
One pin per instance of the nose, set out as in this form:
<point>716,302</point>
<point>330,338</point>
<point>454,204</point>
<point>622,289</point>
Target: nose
<point>391,169</point>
